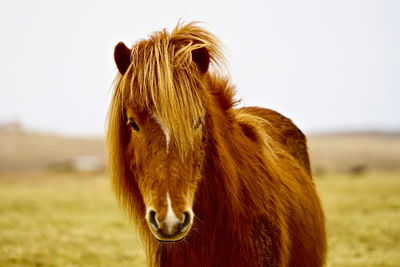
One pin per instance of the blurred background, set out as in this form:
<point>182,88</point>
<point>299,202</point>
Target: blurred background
<point>332,67</point>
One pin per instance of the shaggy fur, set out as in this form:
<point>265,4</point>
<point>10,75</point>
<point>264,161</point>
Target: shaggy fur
<point>244,172</point>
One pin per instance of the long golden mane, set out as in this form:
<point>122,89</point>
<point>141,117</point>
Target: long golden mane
<point>163,79</point>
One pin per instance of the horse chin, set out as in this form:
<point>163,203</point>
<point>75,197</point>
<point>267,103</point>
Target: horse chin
<point>170,240</point>
<point>161,237</point>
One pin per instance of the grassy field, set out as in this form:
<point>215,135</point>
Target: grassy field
<point>363,218</point>
<point>73,220</point>
<point>59,220</point>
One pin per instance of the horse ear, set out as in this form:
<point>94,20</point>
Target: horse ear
<point>202,58</point>
<point>122,57</point>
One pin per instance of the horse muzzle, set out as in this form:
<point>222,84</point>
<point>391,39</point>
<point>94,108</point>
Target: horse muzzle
<point>170,228</point>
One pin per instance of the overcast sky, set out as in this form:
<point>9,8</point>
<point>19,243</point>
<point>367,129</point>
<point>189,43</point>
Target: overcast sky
<point>328,65</point>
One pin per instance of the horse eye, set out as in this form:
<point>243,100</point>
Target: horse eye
<point>198,123</point>
<point>133,123</point>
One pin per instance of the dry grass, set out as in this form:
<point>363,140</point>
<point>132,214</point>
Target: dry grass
<point>63,221</point>
<point>59,220</point>
<point>363,215</point>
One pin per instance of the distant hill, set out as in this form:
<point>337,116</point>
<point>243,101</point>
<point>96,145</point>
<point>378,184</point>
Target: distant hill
<point>20,151</point>
<point>354,151</point>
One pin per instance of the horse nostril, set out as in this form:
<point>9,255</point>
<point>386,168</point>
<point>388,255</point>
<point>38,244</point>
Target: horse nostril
<point>186,222</point>
<point>152,220</point>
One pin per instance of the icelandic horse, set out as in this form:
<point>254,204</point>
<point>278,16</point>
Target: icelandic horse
<point>207,183</point>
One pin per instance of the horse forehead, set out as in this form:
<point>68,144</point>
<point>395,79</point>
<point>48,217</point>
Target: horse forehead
<point>164,127</point>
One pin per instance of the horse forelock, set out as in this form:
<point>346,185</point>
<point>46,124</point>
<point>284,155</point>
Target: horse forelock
<point>163,80</point>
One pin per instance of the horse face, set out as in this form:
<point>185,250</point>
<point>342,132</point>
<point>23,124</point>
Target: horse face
<point>166,179</point>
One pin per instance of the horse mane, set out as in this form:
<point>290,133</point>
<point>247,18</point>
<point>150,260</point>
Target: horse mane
<point>162,72</point>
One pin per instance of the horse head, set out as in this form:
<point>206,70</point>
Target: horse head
<point>159,112</point>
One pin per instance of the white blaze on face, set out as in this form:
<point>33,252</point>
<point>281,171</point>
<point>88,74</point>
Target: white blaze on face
<point>164,128</point>
<point>171,220</point>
